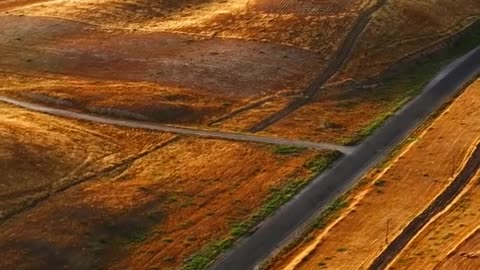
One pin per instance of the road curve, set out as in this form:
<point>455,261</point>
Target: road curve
<point>289,220</point>
<point>177,130</point>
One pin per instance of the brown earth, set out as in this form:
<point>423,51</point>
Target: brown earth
<point>422,171</point>
<point>216,67</point>
<point>434,244</point>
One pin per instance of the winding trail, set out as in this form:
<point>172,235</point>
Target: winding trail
<point>177,130</point>
<point>339,59</point>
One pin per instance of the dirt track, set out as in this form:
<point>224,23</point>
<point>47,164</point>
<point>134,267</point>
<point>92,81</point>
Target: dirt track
<point>336,63</point>
<point>440,203</point>
<point>443,237</point>
<point>166,204</point>
<point>177,130</point>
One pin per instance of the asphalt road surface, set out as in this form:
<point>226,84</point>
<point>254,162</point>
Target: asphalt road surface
<point>288,220</point>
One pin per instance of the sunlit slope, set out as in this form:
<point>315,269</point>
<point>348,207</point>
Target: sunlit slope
<point>40,154</point>
<point>316,25</point>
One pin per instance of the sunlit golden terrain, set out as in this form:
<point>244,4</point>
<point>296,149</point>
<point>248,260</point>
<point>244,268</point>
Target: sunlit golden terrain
<point>82,195</point>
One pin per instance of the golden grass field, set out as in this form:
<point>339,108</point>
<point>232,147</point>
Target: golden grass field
<point>88,196</point>
<point>154,207</point>
<point>403,27</point>
<point>41,154</point>
<point>194,62</point>
<point>448,242</point>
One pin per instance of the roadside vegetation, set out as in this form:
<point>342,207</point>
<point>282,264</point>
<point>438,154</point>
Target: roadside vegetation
<point>286,150</point>
<point>275,200</point>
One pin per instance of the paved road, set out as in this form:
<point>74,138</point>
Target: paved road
<point>288,220</point>
<point>177,130</point>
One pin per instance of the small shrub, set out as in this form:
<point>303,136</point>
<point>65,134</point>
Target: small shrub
<point>322,264</point>
<point>380,183</point>
<point>322,161</point>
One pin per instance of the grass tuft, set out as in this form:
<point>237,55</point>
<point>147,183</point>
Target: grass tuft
<point>287,150</point>
<point>330,212</point>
